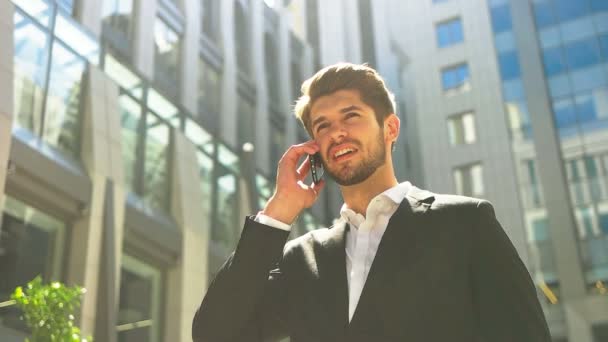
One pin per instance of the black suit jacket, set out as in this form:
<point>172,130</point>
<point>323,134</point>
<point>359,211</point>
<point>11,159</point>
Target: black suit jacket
<point>444,271</point>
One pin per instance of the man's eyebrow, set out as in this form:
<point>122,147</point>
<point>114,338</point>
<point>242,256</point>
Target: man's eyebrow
<point>317,120</point>
<point>350,108</point>
<point>342,111</point>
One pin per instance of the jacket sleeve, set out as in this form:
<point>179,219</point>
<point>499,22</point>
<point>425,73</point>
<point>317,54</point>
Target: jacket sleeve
<point>505,297</point>
<point>244,301</point>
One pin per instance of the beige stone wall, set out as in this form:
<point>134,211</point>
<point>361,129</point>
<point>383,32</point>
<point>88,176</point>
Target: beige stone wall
<point>187,281</point>
<point>6,90</point>
<point>102,158</point>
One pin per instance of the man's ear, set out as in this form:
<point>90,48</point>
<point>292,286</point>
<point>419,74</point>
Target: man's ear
<point>392,125</point>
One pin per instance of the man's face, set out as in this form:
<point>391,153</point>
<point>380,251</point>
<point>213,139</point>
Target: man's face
<point>352,143</point>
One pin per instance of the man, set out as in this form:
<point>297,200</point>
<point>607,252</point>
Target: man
<point>401,264</point>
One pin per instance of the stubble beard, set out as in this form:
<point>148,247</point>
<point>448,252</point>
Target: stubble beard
<point>359,173</point>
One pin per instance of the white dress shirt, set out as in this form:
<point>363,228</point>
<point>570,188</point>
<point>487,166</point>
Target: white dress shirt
<point>362,239</point>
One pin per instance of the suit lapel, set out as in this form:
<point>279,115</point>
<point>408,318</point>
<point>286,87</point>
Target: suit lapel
<point>332,272</point>
<point>398,248</point>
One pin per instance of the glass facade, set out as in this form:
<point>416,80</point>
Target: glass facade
<point>209,91</point>
<point>48,69</point>
<point>577,73</point>
<point>541,262</point>
<point>225,231</point>
<point>469,180</point>
<point>210,20</point>
<point>455,78</point>
<point>167,57</point>
<point>117,22</point>
<point>32,243</point>
<point>139,315</point>
<point>449,32</point>
<point>461,129</point>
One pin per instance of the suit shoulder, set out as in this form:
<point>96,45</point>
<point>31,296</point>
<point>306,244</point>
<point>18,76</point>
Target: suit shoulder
<point>457,202</point>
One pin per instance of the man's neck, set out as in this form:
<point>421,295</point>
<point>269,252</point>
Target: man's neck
<point>357,197</point>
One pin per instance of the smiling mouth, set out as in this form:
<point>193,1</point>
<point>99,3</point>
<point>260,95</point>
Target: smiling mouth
<point>344,153</point>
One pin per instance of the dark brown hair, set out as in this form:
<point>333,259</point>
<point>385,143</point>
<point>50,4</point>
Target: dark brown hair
<point>346,76</point>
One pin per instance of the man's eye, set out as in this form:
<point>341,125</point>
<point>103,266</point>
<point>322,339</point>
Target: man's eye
<point>351,115</point>
<point>321,126</point>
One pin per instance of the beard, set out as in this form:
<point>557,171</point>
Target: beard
<point>359,173</point>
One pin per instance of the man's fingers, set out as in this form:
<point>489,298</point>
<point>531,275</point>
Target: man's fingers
<point>304,167</point>
<point>295,152</point>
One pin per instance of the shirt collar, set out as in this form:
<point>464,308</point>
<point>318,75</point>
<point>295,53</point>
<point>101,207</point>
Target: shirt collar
<point>395,194</point>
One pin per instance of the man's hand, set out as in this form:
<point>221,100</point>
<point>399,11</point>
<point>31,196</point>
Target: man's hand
<point>291,195</point>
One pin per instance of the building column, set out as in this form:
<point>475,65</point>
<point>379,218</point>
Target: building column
<point>88,13</point>
<point>102,158</point>
<point>6,92</point>
<point>187,281</point>
<point>143,37</point>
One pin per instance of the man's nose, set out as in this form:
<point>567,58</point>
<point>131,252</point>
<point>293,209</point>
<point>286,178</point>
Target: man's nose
<point>338,132</point>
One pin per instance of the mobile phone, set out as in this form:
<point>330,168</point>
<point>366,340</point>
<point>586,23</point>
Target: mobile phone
<point>316,167</point>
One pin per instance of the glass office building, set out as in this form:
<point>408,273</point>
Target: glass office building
<point>122,151</point>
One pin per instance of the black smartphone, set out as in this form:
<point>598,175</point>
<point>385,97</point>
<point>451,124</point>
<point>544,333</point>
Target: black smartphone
<point>316,167</point>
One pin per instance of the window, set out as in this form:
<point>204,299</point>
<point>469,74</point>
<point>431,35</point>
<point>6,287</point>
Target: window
<point>31,244</point>
<point>604,46</point>
<point>129,119</point>
<point>278,139</point>
<point>501,18</point>
<point>519,120</point>
<point>30,65</point>
<point>461,129</point>
<point>469,180</point>
<point>224,231</point>
<point>247,123</point>
<point>449,32</point>
<point>565,116</point>
<point>167,57</point>
<point>209,89</point>
<point>568,9</point>
<point>543,13</point>
<point>210,20</point>
<point>242,31</point>
<point>271,60</point>
<point>139,318</point>
<point>62,114</point>
<point>264,189</point>
<point>117,23</point>
<point>509,65</point>
<point>456,77</point>
<point>582,53</point>
<point>554,61</point>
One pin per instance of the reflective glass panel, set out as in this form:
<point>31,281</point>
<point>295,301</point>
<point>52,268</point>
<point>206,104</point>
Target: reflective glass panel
<point>543,14</point>
<point>162,107</point>
<point>582,53</point>
<point>225,229</point>
<point>227,158</point>
<point>156,181</point>
<point>205,164</point>
<point>509,65</point>
<point>210,94</point>
<point>501,18</point>
<point>30,63</point>
<point>72,35</point>
<point>554,61</point>
<point>117,15</point>
<point>140,301</point>
<point>38,9</point>
<point>455,77</point>
<point>31,243</point>
<point>167,56</point>
<point>568,9</point>
<point>130,116</point>
<point>449,33</point>
<point>199,136</point>
<point>123,76</point>
<point>62,114</point>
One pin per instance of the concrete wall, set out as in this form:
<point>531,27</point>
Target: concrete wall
<point>6,91</point>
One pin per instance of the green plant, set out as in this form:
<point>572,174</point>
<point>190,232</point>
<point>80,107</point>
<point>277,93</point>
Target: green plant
<point>48,309</point>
